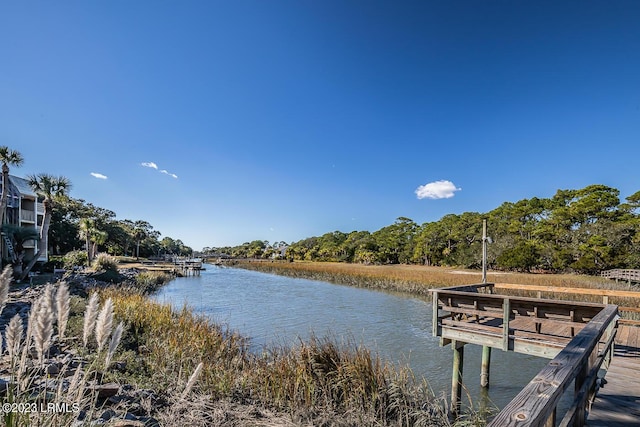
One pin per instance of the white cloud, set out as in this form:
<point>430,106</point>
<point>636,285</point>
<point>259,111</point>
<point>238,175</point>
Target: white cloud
<point>437,190</point>
<point>150,165</point>
<point>173,175</point>
<point>98,175</point>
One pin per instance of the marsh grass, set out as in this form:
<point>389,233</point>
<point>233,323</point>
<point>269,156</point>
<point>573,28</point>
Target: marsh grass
<point>149,281</point>
<point>416,279</point>
<point>318,381</point>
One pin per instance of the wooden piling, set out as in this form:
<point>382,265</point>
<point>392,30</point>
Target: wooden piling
<point>485,367</point>
<point>456,376</point>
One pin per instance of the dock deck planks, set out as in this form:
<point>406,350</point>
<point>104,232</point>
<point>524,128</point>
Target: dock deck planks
<point>617,404</point>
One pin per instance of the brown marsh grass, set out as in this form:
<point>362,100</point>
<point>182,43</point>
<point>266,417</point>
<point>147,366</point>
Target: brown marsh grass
<point>416,278</point>
<point>317,382</point>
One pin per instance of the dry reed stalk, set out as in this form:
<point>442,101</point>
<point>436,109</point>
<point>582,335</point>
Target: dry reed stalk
<point>42,330</point>
<point>90,314</point>
<point>192,380</point>
<point>33,313</point>
<point>62,306</point>
<point>76,386</point>
<point>115,340</point>
<point>104,324</point>
<point>13,336</point>
<point>5,281</point>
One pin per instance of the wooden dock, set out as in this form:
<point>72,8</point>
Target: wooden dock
<point>617,403</point>
<point>578,337</point>
<point>188,266</point>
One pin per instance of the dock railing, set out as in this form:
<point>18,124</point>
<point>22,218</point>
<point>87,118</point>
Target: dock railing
<point>629,313</point>
<point>579,362</point>
<point>622,274</point>
<point>577,336</point>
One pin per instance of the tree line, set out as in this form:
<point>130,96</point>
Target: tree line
<point>585,230</point>
<point>72,224</point>
<point>77,224</point>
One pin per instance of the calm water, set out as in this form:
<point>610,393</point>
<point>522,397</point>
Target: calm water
<point>275,309</point>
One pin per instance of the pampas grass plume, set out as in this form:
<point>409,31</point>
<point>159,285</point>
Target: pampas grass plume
<point>104,324</point>
<point>90,318</point>
<point>62,305</point>
<point>49,300</point>
<point>33,314</point>
<point>13,335</point>
<point>115,340</point>
<point>42,330</point>
<point>5,281</point>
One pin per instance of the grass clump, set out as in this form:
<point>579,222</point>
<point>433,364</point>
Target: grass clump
<point>149,281</point>
<point>105,262</point>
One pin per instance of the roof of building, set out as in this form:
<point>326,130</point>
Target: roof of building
<point>22,185</point>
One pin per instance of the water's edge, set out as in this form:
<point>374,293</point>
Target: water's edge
<point>278,310</point>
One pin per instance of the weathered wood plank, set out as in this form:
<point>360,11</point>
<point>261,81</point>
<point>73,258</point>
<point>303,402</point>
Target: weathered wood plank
<point>537,400</point>
<point>622,337</point>
<point>617,403</point>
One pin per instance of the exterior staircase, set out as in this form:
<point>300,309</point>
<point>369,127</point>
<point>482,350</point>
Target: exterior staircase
<point>9,246</point>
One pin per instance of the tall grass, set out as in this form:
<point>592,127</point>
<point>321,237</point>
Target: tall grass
<point>314,381</point>
<point>415,279</point>
<point>149,281</point>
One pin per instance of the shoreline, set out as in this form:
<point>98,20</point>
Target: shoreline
<point>174,367</point>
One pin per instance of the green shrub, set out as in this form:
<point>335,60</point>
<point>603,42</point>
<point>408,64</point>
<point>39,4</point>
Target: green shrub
<point>55,261</point>
<point>74,258</point>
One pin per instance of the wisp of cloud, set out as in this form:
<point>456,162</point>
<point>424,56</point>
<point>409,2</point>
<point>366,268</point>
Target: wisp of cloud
<point>172,175</point>
<point>437,190</point>
<point>98,175</point>
<point>149,165</point>
<point>152,165</point>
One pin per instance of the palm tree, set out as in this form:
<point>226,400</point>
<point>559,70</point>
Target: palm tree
<point>98,237</point>
<point>7,157</point>
<point>92,236</point>
<point>51,188</point>
<point>141,231</point>
<point>87,225</point>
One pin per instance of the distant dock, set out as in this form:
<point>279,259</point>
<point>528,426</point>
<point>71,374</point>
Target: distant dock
<point>188,266</point>
<point>627,275</point>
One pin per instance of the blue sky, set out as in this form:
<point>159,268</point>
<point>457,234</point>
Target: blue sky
<point>280,120</point>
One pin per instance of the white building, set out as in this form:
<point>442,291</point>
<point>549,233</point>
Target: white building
<point>25,209</point>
